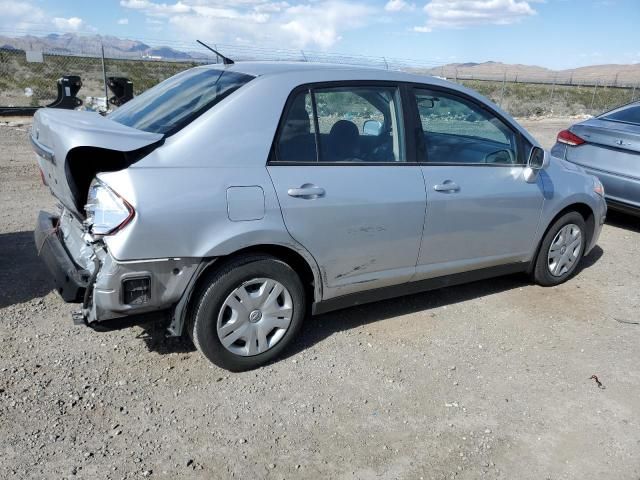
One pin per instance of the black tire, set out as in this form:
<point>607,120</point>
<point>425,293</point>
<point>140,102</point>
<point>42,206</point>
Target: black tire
<point>215,289</point>
<point>541,272</point>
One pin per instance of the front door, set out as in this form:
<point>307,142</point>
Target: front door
<point>346,192</point>
<point>481,212</point>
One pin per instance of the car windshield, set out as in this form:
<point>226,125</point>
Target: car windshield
<point>174,103</point>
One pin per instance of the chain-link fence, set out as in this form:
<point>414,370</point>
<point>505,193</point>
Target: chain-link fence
<point>538,99</point>
<point>28,79</point>
<point>33,83</point>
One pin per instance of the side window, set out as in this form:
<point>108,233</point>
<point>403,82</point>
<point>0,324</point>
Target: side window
<point>355,125</point>
<point>297,142</point>
<point>459,131</point>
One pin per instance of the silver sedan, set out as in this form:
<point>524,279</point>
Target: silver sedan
<point>240,199</point>
<point>608,146</point>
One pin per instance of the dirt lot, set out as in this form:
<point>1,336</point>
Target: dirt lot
<point>487,380</point>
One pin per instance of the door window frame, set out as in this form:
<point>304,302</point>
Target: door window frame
<point>418,137</point>
<point>407,118</point>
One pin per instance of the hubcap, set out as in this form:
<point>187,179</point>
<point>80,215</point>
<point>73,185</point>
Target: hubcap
<point>564,250</point>
<point>255,316</point>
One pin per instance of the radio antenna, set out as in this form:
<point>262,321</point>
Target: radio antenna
<point>225,60</point>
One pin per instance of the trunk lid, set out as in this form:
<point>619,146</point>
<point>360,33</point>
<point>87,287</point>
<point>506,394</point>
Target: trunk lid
<point>100,144</point>
<point>612,147</point>
<point>623,136</point>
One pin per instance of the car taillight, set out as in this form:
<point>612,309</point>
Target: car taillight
<point>107,212</point>
<point>565,136</point>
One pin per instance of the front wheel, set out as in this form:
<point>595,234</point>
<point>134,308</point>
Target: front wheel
<point>561,250</point>
<point>248,312</point>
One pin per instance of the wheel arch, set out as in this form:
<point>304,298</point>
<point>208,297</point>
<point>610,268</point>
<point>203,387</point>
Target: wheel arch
<point>580,207</point>
<point>305,268</point>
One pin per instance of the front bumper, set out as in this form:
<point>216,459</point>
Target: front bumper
<point>600,218</point>
<point>79,266</point>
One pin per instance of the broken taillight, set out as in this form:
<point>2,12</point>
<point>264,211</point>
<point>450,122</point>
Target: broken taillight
<point>107,212</point>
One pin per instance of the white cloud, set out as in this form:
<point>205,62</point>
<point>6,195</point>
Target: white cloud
<point>315,23</point>
<point>25,15</point>
<point>465,13</point>
<point>123,21</point>
<point>15,9</point>
<point>398,6</point>
<point>321,24</point>
<point>72,24</point>
<point>152,8</point>
<point>271,7</point>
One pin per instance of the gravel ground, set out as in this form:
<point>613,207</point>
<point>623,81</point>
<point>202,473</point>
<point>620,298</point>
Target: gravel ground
<point>486,380</point>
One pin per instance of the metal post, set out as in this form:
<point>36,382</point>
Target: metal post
<point>553,88</point>
<point>593,98</point>
<point>304,56</point>
<point>386,65</point>
<point>504,81</point>
<point>104,77</point>
<point>633,93</point>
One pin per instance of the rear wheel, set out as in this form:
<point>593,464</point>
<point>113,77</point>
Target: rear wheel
<point>561,250</point>
<point>248,312</point>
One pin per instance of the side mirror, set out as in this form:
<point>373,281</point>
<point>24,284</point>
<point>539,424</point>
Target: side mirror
<point>538,159</point>
<point>372,127</point>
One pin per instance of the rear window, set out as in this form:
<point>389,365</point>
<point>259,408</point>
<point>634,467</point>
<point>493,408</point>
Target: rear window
<point>627,115</point>
<point>174,103</point>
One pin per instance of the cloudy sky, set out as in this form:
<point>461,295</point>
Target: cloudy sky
<point>551,33</point>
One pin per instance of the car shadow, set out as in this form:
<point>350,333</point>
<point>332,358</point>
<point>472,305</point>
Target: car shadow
<point>154,335</point>
<point>323,326</point>
<point>623,220</point>
<point>153,332</point>
<point>23,276</point>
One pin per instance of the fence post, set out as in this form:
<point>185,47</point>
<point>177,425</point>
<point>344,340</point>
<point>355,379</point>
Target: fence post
<point>633,93</point>
<point>593,98</point>
<point>504,81</point>
<point>386,65</point>
<point>555,80</point>
<point>104,77</point>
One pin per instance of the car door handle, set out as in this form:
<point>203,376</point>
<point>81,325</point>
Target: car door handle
<point>306,191</point>
<point>446,186</point>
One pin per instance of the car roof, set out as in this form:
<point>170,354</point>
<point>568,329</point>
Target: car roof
<point>340,72</point>
<point>365,73</point>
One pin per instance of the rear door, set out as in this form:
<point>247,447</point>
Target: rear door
<point>481,212</point>
<point>347,192</point>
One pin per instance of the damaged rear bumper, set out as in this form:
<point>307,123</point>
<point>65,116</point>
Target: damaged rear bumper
<point>108,288</point>
<point>70,280</point>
